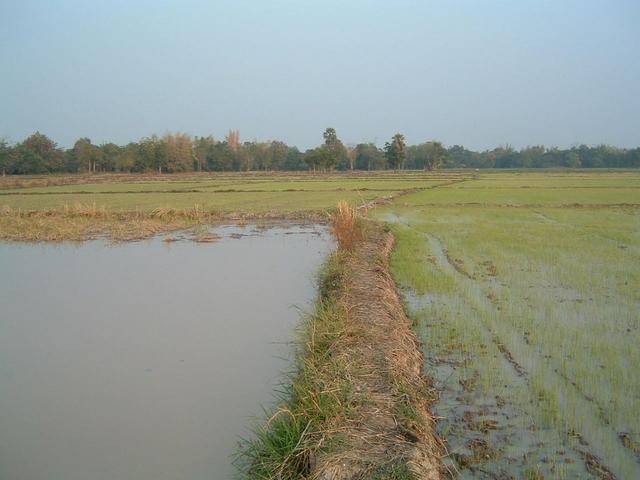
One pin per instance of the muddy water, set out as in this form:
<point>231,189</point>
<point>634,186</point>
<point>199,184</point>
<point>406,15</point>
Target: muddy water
<point>145,360</point>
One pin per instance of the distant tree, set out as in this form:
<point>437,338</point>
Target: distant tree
<point>278,152</point>
<point>525,158</point>
<point>109,153</point>
<point>152,155</point>
<point>259,155</point>
<point>632,158</point>
<point>330,137</point>
<point>351,155</point>
<point>335,152</point>
<point>178,152</point>
<point>436,155</point>
<point>295,159</point>
<point>428,156</point>
<point>243,159</point>
<point>203,148</point>
<point>369,157</point>
<point>28,162</point>
<point>127,158</point>
<point>86,155</point>
<point>5,157</point>
<point>502,157</point>
<point>233,140</point>
<point>38,154</point>
<point>459,156</point>
<point>318,158</point>
<point>395,151</point>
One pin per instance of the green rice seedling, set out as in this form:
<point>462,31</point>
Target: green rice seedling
<point>551,274</point>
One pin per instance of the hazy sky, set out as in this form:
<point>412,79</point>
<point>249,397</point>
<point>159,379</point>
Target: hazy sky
<point>477,73</point>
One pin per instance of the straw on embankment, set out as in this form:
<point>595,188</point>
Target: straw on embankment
<point>358,407</point>
<point>89,221</point>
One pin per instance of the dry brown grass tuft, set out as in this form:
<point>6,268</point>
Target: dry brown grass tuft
<point>194,213</point>
<point>85,210</point>
<point>89,221</point>
<point>346,225</point>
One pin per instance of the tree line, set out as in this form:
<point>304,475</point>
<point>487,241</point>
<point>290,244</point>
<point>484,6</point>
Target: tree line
<point>179,152</point>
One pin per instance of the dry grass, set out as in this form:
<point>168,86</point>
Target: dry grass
<point>194,213</point>
<point>89,221</point>
<point>85,210</point>
<point>346,226</point>
<point>86,221</point>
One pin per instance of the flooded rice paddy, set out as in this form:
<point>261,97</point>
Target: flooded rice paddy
<point>532,358</point>
<point>146,360</point>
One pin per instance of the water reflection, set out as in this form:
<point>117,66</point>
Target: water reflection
<point>145,360</point>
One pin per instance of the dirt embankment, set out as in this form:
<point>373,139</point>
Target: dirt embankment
<point>392,430</point>
<point>358,407</point>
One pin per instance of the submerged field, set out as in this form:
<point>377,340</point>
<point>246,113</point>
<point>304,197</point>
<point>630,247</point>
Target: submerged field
<point>526,293</point>
<point>144,360</point>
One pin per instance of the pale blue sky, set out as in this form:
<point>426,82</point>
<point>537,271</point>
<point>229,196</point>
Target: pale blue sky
<point>477,73</point>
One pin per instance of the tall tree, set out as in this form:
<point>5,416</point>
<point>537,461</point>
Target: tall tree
<point>87,155</point>
<point>38,154</point>
<point>233,139</point>
<point>334,149</point>
<point>109,153</point>
<point>436,155</point>
<point>370,157</point>
<point>351,155</point>
<point>5,157</point>
<point>127,158</point>
<point>295,159</point>
<point>318,158</point>
<point>152,155</point>
<point>395,151</point>
<point>178,152</point>
<point>278,152</point>
<point>203,148</point>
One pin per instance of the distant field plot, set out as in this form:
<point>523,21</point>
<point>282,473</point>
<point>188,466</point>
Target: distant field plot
<point>224,193</point>
<point>516,189</point>
<point>248,202</point>
<point>553,179</point>
<point>530,318</point>
<point>126,206</point>
<point>533,196</point>
<point>225,185</point>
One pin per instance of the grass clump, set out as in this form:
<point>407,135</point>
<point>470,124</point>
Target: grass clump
<point>318,400</point>
<point>278,450</point>
<point>346,226</point>
<point>404,410</point>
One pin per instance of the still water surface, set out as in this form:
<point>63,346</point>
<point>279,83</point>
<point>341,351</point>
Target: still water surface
<point>145,360</point>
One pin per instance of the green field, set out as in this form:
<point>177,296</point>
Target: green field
<point>526,292</point>
<point>245,193</point>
